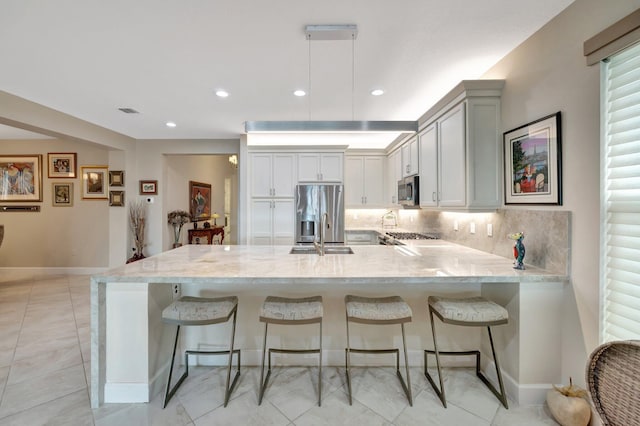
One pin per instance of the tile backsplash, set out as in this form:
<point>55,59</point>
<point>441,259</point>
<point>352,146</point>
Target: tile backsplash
<point>546,231</point>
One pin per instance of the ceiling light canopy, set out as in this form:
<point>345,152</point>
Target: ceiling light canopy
<point>222,93</point>
<point>377,92</point>
<point>299,93</point>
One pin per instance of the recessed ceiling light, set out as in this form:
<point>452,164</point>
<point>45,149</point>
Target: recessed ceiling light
<point>171,124</point>
<point>299,92</point>
<point>377,92</point>
<point>222,93</point>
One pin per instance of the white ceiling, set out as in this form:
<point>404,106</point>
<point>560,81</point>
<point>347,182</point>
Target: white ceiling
<point>166,58</point>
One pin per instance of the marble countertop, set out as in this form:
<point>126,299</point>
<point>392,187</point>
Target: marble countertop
<point>420,262</point>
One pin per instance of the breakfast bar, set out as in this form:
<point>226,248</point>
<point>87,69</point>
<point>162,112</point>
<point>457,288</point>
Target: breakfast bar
<point>130,345</point>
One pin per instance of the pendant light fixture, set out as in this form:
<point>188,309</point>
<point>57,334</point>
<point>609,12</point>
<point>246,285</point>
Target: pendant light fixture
<point>332,32</point>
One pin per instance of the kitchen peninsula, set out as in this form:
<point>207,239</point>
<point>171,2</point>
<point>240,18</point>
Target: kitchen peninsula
<point>131,346</point>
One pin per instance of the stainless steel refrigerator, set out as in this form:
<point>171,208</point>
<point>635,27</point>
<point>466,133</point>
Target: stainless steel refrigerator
<point>312,201</point>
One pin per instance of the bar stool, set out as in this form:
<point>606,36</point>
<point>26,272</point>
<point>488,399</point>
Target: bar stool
<point>188,311</point>
<point>470,312</point>
<point>378,311</point>
<point>287,311</point>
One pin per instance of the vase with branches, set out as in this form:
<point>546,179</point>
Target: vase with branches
<point>177,219</point>
<point>137,218</point>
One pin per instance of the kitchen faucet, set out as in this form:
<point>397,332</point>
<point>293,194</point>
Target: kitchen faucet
<point>323,227</point>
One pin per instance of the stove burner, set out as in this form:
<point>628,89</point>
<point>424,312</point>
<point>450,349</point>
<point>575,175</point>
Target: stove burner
<point>411,236</point>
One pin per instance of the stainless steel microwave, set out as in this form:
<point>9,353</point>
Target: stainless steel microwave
<point>409,191</point>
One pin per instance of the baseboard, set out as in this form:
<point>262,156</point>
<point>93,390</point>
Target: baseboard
<point>126,392</point>
<point>66,270</point>
<point>523,394</point>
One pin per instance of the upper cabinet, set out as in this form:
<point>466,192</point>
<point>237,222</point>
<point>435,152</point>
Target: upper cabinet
<point>320,167</point>
<point>460,149</point>
<point>410,159</point>
<point>394,174</point>
<point>364,181</point>
<point>272,174</point>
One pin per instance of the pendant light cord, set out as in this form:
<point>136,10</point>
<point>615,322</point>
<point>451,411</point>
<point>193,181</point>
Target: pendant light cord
<point>309,84</point>
<point>353,74</point>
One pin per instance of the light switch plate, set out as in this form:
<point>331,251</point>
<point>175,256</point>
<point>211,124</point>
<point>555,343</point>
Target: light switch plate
<point>472,227</point>
<point>489,230</point>
<point>455,225</point>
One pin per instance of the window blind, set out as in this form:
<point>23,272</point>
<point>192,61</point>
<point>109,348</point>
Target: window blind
<point>621,197</point>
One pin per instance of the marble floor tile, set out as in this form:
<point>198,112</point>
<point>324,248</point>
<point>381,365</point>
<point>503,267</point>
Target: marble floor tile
<point>31,393</point>
<point>336,411</point>
<point>380,389</point>
<point>47,362</point>
<point>4,373</point>
<point>244,410</point>
<point>532,415</point>
<point>72,409</point>
<point>427,409</point>
<point>142,414</point>
<point>42,344</point>
<point>464,389</point>
<point>8,341</point>
<point>293,390</point>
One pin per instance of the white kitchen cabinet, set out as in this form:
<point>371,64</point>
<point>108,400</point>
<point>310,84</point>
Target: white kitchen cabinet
<point>410,159</point>
<point>364,181</point>
<point>428,139</point>
<point>394,174</point>
<point>272,222</point>
<point>272,174</point>
<point>320,167</point>
<point>460,149</point>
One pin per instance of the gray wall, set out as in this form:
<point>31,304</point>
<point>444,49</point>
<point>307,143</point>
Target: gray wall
<point>548,73</point>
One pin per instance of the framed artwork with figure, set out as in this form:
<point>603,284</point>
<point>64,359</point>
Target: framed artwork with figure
<point>199,201</point>
<point>21,178</point>
<point>533,162</point>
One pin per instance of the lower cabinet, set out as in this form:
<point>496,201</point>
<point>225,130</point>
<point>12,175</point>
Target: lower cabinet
<point>272,222</point>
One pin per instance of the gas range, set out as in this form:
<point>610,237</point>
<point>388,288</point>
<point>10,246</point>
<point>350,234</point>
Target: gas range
<point>396,238</point>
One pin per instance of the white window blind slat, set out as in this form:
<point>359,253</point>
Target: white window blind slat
<point>621,198</point>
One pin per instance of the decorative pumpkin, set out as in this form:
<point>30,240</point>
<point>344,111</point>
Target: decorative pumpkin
<point>569,406</point>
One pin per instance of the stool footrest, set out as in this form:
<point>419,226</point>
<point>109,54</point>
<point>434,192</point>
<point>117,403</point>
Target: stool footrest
<point>170,392</point>
<point>377,351</point>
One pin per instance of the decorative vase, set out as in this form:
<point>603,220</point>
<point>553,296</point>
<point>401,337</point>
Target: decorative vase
<point>135,257</point>
<point>176,245</point>
<point>569,406</point>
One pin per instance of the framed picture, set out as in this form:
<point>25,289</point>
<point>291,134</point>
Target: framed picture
<point>148,187</point>
<point>116,198</point>
<point>199,201</point>
<point>62,164</point>
<point>20,178</point>
<point>94,182</point>
<point>62,194</point>
<point>116,178</point>
<point>533,162</point>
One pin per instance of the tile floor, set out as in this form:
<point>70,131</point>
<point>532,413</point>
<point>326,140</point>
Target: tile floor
<point>44,376</point>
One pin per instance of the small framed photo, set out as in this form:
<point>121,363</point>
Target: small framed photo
<point>116,178</point>
<point>62,164</point>
<point>533,162</point>
<point>62,194</point>
<point>116,198</point>
<point>148,187</point>
<point>94,182</point>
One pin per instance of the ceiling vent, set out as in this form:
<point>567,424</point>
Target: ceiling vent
<point>129,110</point>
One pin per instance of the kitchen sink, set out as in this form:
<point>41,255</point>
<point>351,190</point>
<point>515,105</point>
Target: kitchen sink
<point>327,250</point>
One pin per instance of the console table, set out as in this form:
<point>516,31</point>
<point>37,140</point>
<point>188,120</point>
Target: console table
<point>205,235</point>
